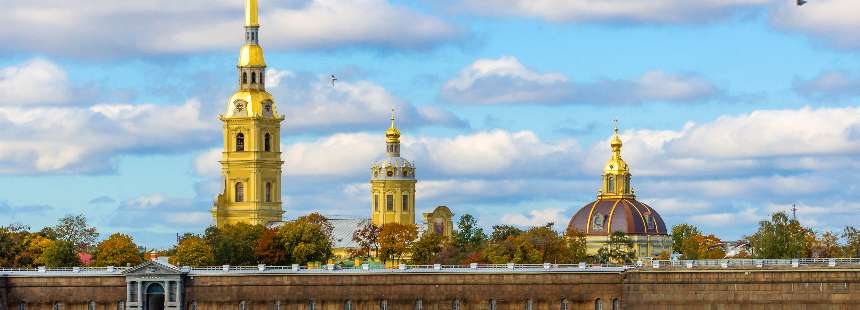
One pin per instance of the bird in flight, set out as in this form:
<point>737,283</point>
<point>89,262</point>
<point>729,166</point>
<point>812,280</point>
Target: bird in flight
<point>333,79</point>
<point>801,2</point>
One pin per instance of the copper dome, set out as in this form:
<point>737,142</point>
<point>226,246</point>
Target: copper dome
<point>606,215</point>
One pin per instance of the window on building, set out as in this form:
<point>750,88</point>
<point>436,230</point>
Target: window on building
<point>564,305</point>
<point>240,142</point>
<point>253,77</point>
<point>405,202</point>
<point>389,202</point>
<point>278,305</point>
<point>529,304</point>
<point>240,192</point>
<point>267,142</point>
<point>172,287</point>
<point>455,305</point>
<point>492,304</point>
<point>419,304</point>
<point>611,187</point>
<point>132,291</point>
<point>58,306</point>
<point>194,305</point>
<point>627,184</point>
<point>376,203</point>
<point>262,77</point>
<point>91,305</point>
<point>383,305</point>
<point>312,305</point>
<point>120,305</point>
<point>268,192</point>
<point>242,305</point>
<point>244,77</point>
<point>347,305</point>
<point>22,306</point>
<point>616,304</point>
<point>598,304</point>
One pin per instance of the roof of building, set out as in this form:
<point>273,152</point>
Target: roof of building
<point>341,235</point>
<point>606,215</point>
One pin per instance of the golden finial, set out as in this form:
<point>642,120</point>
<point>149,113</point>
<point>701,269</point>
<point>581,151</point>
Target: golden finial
<point>393,134</point>
<point>615,142</point>
<point>616,125</point>
<point>251,16</point>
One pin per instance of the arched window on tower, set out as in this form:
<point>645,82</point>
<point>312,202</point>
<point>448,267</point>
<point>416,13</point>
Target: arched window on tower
<point>627,184</point>
<point>262,78</point>
<point>239,192</point>
<point>244,77</point>
<point>376,203</point>
<point>253,77</point>
<point>240,142</point>
<point>611,186</point>
<point>267,142</point>
<point>389,202</point>
<point>405,202</point>
<point>268,192</point>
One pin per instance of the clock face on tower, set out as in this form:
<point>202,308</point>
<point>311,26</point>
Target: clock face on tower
<point>240,106</point>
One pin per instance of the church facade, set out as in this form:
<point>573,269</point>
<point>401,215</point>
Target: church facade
<point>251,162</point>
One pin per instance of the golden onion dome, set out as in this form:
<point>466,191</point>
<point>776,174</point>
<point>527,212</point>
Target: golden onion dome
<point>615,165</point>
<point>393,134</point>
<point>251,55</point>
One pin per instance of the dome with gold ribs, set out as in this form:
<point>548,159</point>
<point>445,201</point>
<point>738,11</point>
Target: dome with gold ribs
<point>616,207</point>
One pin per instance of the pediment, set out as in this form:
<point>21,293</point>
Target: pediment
<point>153,268</point>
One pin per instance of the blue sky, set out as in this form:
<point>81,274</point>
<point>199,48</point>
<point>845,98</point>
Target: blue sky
<point>730,110</point>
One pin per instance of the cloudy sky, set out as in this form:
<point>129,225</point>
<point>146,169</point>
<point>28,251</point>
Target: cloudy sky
<point>730,109</point>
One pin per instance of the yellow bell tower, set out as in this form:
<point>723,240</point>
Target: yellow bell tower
<point>392,184</point>
<point>251,162</point>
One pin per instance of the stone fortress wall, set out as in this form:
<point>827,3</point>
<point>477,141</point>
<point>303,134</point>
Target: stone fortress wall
<point>782,288</point>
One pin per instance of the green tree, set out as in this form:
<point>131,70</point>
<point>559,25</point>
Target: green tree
<point>619,250</point>
<point>577,246</point>
<point>117,250</point>
<point>234,244</point>
<point>60,253</point>
<point>319,219</point>
<point>502,232</point>
<point>681,235</point>
<point>73,228</point>
<point>468,235</point>
<point>535,246</point>
<point>395,240</point>
<point>852,242</point>
<point>193,251</point>
<point>304,241</point>
<point>781,237</point>
<point>367,237</point>
<point>425,250</point>
<point>13,242</point>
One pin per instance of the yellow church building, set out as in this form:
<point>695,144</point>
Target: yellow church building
<point>251,161</point>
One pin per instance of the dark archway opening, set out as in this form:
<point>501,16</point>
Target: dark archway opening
<point>154,299</point>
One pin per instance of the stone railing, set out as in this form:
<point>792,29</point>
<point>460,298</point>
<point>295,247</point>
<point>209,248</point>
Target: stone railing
<point>751,263</point>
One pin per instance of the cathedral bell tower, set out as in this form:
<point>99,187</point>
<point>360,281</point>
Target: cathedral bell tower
<point>616,174</point>
<point>392,184</point>
<point>251,162</point>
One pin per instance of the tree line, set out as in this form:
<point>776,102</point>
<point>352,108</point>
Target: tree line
<point>309,239</point>
<point>778,237</point>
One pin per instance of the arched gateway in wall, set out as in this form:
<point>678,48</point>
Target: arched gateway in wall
<point>153,286</point>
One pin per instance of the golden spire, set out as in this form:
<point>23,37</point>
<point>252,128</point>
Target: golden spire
<point>615,142</point>
<point>393,134</point>
<point>251,15</point>
<point>616,174</point>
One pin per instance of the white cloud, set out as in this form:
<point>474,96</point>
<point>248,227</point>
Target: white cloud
<point>158,213</point>
<point>617,11</point>
<point>336,155</point>
<point>82,140</point>
<point>507,81</point>
<point>535,218</point>
<point>89,29</point>
<point>833,22</point>
<point>828,85</point>
<point>37,81</point>
<point>313,104</point>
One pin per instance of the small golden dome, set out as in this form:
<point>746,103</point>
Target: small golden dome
<point>393,134</point>
<point>251,55</point>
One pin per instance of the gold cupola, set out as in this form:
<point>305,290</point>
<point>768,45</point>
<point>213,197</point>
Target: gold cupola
<point>393,134</point>
<point>616,174</point>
